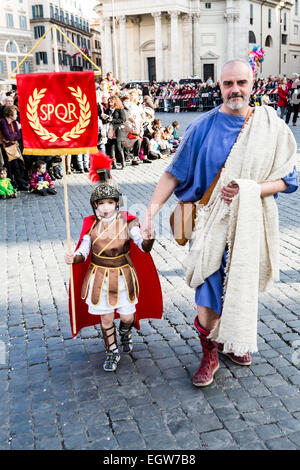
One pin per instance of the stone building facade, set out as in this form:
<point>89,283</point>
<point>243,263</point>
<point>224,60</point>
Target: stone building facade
<point>15,38</point>
<point>96,42</point>
<point>173,39</point>
<point>68,16</point>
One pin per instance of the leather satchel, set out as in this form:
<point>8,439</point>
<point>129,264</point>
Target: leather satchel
<point>13,152</point>
<point>182,219</point>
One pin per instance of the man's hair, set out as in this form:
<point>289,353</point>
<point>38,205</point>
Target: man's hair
<point>236,61</point>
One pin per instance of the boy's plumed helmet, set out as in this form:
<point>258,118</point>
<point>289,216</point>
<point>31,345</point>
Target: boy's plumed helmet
<point>104,187</point>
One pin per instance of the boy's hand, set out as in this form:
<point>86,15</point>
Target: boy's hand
<point>69,257</point>
<point>148,233</point>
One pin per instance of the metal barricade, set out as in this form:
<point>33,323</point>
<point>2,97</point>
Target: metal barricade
<point>207,101</point>
<point>187,103</point>
<point>160,106</point>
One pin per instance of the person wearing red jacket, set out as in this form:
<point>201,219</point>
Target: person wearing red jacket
<point>40,181</point>
<point>282,102</point>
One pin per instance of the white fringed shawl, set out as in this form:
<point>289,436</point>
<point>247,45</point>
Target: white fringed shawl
<point>265,151</point>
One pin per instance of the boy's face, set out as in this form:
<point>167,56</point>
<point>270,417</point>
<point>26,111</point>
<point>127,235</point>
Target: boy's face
<point>42,169</point>
<point>3,174</point>
<point>106,208</point>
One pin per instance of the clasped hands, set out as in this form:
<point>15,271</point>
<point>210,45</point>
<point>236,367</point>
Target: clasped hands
<point>229,191</point>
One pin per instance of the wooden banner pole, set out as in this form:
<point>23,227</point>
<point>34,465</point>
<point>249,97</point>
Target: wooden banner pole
<point>56,63</point>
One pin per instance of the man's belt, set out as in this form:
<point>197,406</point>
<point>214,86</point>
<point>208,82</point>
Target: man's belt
<point>110,262</point>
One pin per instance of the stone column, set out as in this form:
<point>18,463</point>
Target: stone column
<point>102,39</point>
<point>135,60</point>
<point>229,44</point>
<point>123,49</point>
<point>197,45</point>
<point>108,52</point>
<point>159,64</point>
<point>187,41</point>
<point>174,45</point>
<point>232,17</point>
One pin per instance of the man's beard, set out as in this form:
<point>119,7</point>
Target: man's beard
<point>235,107</point>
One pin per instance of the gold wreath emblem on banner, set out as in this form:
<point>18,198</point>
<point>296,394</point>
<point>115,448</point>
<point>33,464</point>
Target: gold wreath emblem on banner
<point>75,132</point>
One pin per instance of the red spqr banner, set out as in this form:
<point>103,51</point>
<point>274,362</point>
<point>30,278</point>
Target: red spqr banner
<point>58,113</point>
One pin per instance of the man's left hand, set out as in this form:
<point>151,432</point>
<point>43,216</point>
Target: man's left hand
<point>229,191</point>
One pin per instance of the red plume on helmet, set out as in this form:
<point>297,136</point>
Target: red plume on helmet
<point>98,161</point>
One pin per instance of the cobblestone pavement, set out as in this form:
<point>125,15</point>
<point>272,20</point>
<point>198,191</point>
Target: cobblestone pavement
<point>54,392</point>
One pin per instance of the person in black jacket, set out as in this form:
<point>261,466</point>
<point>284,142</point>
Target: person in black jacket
<point>115,116</point>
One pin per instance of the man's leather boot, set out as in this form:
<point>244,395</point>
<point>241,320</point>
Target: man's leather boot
<point>244,360</point>
<point>210,360</point>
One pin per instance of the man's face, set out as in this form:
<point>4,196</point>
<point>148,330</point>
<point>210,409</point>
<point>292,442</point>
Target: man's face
<point>236,85</point>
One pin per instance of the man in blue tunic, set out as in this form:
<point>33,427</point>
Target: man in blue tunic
<point>208,143</point>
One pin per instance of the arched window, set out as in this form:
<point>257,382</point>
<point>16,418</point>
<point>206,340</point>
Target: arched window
<point>1,66</point>
<point>11,47</point>
<point>269,41</point>
<point>252,38</point>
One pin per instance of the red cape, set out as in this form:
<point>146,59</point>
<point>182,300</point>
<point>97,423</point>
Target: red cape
<point>150,303</point>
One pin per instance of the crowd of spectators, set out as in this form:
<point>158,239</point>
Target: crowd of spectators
<point>128,130</point>
<point>198,95</point>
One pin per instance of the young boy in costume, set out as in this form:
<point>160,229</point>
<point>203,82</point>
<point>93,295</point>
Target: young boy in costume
<point>7,190</point>
<point>113,269</point>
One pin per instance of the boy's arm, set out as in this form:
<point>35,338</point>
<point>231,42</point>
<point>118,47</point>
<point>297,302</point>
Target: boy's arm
<point>47,177</point>
<point>33,183</point>
<point>81,253</point>
<point>144,244</point>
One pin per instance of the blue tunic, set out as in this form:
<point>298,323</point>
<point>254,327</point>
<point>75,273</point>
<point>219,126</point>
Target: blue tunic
<point>202,152</point>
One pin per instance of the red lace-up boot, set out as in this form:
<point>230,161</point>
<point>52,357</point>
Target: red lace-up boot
<point>210,360</point>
